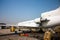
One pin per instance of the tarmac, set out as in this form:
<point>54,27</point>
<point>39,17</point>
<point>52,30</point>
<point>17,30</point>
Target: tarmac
<point>16,37</point>
<point>5,34</point>
<point>5,31</point>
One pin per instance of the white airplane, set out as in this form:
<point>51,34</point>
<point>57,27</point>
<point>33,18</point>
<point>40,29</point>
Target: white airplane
<point>47,19</point>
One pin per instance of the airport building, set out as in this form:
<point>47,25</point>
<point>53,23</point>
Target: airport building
<point>2,25</point>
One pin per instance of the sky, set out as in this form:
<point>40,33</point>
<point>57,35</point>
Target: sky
<point>15,11</point>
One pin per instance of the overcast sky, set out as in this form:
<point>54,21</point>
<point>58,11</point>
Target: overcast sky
<point>14,11</point>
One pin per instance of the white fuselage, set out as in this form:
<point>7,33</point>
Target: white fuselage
<point>53,20</point>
